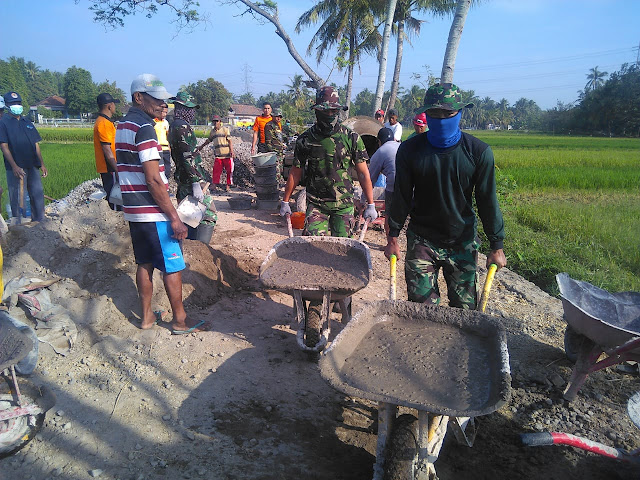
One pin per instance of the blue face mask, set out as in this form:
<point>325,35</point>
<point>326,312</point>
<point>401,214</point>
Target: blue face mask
<point>16,109</point>
<point>444,132</point>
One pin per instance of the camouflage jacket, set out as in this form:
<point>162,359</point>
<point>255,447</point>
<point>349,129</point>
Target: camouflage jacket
<point>274,138</point>
<point>183,142</point>
<point>325,162</point>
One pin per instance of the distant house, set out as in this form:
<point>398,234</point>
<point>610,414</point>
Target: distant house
<point>242,115</point>
<point>53,103</point>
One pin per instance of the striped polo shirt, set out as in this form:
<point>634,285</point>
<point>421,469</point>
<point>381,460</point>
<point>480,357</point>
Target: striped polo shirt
<point>136,143</point>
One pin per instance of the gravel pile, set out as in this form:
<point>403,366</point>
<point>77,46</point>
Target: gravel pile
<point>243,165</point>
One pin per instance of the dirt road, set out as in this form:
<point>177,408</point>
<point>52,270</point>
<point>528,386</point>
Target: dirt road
<point>241,401</point>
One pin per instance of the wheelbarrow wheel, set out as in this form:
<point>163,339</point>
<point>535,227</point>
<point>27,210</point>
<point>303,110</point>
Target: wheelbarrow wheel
<point>574,342</point>
<point>402,449</point>
<point>15,433</point>
<point>313,325</point>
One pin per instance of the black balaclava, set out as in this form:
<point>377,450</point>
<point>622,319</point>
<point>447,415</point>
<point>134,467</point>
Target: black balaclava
<point>326,122</point>
<point>185,113</point>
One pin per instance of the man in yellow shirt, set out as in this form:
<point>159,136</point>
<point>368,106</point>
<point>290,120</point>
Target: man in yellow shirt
<point>104,144</point>
<point>162,130</point>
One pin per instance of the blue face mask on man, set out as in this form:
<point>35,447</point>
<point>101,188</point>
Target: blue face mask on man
<point>444,132</point>
<point>16,109</point>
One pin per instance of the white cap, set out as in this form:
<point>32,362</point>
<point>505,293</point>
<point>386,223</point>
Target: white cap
<point>151,85</point>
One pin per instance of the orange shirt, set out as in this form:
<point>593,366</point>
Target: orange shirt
<point>104,131</point>
<point>259,124</point>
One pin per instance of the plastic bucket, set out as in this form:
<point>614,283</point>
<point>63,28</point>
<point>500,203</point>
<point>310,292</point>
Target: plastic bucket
<point>241,202</point>
<point>297,220</point>
<point>269,196</point>
<point>204,233</point>
<point>268,171</point>
<point>265,180</point>
<point>264,159</point>
<point>270,188</point>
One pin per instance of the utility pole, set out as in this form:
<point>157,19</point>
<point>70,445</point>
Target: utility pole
<point>638,55</point>
<point>247,78</point>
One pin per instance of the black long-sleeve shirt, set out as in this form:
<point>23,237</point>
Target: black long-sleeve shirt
<point>435,187</point>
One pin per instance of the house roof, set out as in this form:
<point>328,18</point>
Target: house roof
<point>52,101</point>
<point>250,110</point>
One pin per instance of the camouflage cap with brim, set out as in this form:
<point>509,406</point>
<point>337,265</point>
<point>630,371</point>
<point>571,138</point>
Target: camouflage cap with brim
<point>276,112</point>
<point>446,97</point>
<point>186,99</point>
<point>327,99</point>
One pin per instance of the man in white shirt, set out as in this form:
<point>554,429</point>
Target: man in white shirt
<point>394,125</point>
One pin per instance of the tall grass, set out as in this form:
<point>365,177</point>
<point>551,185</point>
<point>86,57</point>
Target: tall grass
<point>68,164</point>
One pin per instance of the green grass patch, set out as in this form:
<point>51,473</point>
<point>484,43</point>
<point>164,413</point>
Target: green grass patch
<point>66,135</point>
<point>68,164</point>
<point>516,140</point>
<point>593,237</point>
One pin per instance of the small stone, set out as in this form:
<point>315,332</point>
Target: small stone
<point>166,417</point>
<point>138,446</point>
<point>184,360</point>
<point>269,408</point>
<point>60,413</point>
<point>548,401</point>
<point>56,472</point>
<point>66,426</point>
<point>95,472</point>
<point>131,455</point>
<point>133,388</point>
<point>103,386</point>
<point>221,354</point>
<point>190,435</point>
<point>557,380</point>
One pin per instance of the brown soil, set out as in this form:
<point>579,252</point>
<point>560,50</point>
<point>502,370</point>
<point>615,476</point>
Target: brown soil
<point>242,401</point>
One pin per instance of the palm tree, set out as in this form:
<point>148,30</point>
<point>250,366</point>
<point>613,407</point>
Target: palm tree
<point>595,79</point>
<point>384,50</point>
<point>448,64</point>
<point>298,91</point>
<point>31,70</point>
<point>347,24</point>
<point>405,25</point>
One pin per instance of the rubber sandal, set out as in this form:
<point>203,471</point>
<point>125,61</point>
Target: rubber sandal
<point>190,330</point>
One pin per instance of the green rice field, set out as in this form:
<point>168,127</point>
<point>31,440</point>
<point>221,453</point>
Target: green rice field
<point>571,204</point>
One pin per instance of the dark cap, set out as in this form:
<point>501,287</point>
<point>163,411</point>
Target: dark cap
<point>216,118</point>
<point>392,112</point>
<point>445,97</point>
<point>327,99</point>
<point>105,98</point>
<point>385,135</point>
<point>12,97</point>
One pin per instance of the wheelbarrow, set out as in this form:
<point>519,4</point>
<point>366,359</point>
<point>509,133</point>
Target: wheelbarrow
<point>597,322</point>
<point>320,270</point>
<point>449,364</point>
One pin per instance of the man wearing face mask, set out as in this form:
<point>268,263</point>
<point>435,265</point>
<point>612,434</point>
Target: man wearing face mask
<point>19,142</point>
<point>437,175</point>
<point>322,158</point>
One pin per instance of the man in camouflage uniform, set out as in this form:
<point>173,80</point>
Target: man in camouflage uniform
<point>189,170</point>
<point>274,137</point>
<point>323,156</point>
<point>437,176</point>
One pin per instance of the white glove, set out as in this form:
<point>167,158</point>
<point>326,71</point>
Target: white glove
<point>197,191</point>
<point>370,213</point>
<point>285,209</point>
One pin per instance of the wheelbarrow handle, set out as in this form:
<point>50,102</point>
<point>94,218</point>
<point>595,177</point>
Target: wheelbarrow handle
<point>289,227</point>
<point>487,287</point>
<point>392,277</point>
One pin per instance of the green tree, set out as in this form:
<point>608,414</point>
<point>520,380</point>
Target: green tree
<point>12,78</point>
<point>298,92</point>
<point>213,98</point>
<point>363,103</point>
<point>79,91</point>
<point>246,99</point>
<point>117,93</point>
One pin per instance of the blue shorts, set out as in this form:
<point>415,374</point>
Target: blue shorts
<point>152,243</point>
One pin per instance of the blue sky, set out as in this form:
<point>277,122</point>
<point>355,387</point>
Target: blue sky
<point>538,49</point>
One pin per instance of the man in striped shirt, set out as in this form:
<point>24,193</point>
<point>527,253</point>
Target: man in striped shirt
<point>156,230</point>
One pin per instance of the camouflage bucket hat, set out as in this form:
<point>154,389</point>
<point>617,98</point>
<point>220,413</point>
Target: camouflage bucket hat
<point>327,99</point>
<point>186,99</point>
<point>446,96</point>
<point>276,112</point>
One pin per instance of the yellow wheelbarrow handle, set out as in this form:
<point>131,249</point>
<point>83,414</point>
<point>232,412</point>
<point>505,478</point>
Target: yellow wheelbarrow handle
<point>392,278</point>
<point>487,287</point>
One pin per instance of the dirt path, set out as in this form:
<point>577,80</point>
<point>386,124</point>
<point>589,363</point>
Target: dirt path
<point>242,401</point>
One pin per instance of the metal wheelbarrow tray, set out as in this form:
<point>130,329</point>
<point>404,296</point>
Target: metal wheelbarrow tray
<point>597,321</point>
<point>446,361</point>
<point>326,269</point>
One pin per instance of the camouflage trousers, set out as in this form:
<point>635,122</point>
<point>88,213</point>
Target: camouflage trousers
<point>423,264</point>
<point>320,220</point>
